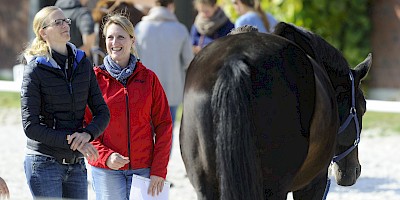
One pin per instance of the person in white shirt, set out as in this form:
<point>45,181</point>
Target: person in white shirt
<point>163,45</point>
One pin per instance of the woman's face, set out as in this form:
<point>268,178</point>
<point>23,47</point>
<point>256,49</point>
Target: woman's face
<point>118,44</point>
<point>205,10</point>
<point>238,6</point>
<point>56,28</point>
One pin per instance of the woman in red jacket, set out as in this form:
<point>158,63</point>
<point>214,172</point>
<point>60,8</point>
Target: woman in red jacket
<point>139,135</point>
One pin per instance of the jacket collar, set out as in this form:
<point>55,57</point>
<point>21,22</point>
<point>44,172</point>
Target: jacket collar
<point>50,62</point>
<point>139,67</point>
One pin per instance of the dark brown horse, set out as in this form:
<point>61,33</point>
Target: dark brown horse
<point>351,105</point>
<point>261,114</point>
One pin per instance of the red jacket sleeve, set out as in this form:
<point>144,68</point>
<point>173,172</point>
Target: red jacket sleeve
<point>104,152</point>
<point>162,122</point>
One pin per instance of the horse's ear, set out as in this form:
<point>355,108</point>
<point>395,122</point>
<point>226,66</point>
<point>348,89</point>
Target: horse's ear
<point>296,35</point>
<point>362,69</point>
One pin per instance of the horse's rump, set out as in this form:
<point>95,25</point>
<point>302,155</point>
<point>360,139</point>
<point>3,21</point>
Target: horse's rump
<point>261,90</point>
<point>268,91</point>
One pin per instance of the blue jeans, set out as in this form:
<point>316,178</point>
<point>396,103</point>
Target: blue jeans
<point>114,184</point>
<point>173,109</point>
<point>48,178</point>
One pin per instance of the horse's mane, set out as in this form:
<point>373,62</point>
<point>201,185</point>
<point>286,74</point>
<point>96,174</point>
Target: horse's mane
<point>332,59</point>
<point>317,48</point>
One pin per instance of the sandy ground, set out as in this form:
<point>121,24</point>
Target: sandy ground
<point>380,178</point>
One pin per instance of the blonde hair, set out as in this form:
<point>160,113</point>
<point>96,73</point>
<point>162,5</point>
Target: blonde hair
<point>121,20</point>
<point>39,47</point>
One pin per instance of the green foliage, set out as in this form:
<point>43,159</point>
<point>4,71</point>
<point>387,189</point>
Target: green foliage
<point>343,23</point>
<point>381,123</point>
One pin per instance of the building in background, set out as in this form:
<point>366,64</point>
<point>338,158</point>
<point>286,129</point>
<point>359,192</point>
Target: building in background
<point>13,33</point>
<point>16,21</point>
<point>384,77</point>
<point>15,30</point>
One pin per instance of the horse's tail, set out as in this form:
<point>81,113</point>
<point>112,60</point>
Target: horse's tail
<point>238,168</point>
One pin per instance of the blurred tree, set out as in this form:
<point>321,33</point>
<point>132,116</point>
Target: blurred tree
<point>355,27</point>
<point>343,23</point>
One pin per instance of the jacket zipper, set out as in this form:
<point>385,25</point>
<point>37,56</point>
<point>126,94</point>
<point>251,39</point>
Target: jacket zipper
<point>127,124</point>
<point>69,81</point>
<point>69,84</point>
<point>127,117</point>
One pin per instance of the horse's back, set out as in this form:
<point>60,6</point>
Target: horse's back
<point>281,96</point>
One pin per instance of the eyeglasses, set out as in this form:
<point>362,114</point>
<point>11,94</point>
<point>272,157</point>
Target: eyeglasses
<point>58,22</point>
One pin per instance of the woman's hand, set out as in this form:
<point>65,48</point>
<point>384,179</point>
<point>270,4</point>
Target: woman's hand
<point>156,185</point>
<point>4,192</point>
<point>116,161</point>
<point>89,151</point>
<point>77,140</point>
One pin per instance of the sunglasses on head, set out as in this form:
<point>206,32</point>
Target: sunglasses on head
<point>58,22</point>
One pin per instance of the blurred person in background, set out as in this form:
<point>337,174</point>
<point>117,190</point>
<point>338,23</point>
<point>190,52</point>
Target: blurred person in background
<point>58,83</point>
<point>138,138</point>
<point>163,45</point>
<point>250,13</point>
<point>210,23</point>
<point>82,24</point>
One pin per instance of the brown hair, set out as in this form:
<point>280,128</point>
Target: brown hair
<point>206,2</point>
<point>164,3</point>
<point>256,4</point>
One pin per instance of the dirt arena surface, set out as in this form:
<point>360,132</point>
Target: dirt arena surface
<point>380,177</point>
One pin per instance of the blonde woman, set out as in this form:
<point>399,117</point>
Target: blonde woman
<point>138,139</point>
<point>57,85</point>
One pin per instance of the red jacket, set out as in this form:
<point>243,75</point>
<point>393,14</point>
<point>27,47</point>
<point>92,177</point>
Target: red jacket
<point>136,111</point>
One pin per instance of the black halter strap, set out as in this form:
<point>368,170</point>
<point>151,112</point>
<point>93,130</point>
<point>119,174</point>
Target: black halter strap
<point>352,115</point>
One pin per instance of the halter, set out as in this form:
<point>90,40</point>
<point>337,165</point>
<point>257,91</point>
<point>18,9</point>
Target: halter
<point>352,115</point>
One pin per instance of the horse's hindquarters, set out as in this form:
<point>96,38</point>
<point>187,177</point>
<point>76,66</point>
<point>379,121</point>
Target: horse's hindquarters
<point>324,127</point>
<point>197,144</point>
<point>247,109</point>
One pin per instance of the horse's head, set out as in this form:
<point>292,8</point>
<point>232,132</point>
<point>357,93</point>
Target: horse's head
<point>350,99</point>
<point>352,106</point>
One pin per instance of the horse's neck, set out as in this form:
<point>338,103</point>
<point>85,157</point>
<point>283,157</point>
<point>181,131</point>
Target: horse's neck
<point>338,77</point>
<point>337,69</point>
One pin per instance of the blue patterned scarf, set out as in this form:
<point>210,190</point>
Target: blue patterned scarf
<point>121,74</point>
